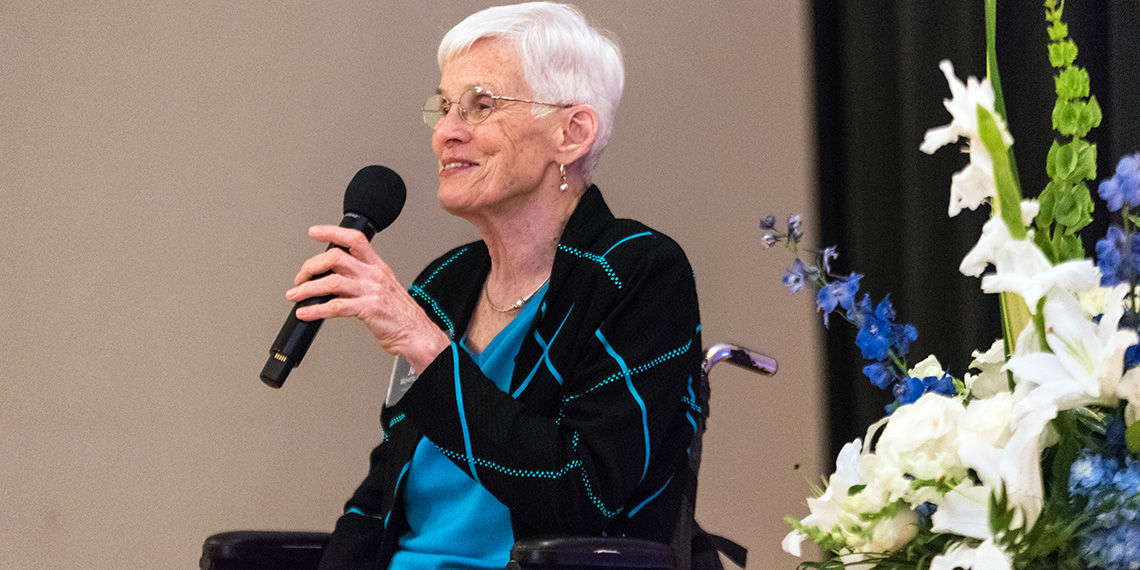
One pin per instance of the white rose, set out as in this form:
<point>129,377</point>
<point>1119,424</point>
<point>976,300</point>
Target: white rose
<point>988,420</point>
<point>892,534</point>
<point>922,438</point>
<point>886,483</point>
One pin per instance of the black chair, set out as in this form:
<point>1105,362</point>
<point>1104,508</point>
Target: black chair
<point>692,548</point>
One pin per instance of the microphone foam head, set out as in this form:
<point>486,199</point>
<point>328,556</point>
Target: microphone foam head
<point>377,193</point>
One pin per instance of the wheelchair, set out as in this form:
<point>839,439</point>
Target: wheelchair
<point>692,548</point>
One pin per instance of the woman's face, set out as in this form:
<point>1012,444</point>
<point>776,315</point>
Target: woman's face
<point>499,163</point>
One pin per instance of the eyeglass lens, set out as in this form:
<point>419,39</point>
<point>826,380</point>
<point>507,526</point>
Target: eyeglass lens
<point>475,105</point>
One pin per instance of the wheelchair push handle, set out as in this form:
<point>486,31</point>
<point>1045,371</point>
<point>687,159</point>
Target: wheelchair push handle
<point>745,358</point>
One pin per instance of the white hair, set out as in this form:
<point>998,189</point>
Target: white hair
<point>563,59</point>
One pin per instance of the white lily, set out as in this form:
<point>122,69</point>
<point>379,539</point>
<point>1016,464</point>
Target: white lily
<point>990,380</point>
<point>1021,268</point>
<point>1087,359</point>
<point>986,556</point>
<point>1129,390</point>
<point>964,511</point>
<point>971,186</point>
<point>995,237</point>
<point>827,510</point>
<point>984,430</point>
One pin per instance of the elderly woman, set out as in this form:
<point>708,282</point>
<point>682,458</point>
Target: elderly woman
<point>557,356</point>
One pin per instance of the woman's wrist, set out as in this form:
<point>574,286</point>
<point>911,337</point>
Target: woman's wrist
<point>421,354</point>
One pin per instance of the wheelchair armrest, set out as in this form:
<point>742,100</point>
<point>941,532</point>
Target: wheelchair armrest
<point>590,553</point>
<point>263,550</point>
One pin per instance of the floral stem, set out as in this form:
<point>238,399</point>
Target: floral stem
<point>995,77</point>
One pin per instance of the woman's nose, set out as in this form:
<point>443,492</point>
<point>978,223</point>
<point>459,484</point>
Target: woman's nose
<point>451,125</point>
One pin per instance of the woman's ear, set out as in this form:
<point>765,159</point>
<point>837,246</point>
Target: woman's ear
<point>578,131</point>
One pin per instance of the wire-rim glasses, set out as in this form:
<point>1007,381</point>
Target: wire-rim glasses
<point>475,106</point>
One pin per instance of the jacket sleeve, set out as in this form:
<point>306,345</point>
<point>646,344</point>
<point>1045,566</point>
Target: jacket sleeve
<point>356,541</point>
<point>620,431</point>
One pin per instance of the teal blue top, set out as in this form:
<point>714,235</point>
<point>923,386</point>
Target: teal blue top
<point>455,524</point>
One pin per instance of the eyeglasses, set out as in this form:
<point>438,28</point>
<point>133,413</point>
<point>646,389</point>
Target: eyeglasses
<point>475,105</point>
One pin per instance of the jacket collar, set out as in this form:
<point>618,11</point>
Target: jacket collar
<point>457,299</point>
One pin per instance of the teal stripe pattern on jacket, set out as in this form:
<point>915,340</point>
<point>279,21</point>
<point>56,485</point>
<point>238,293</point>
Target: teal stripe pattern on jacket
<point>592,434</point>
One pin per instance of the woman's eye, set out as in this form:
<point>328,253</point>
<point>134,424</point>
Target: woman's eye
<point>483,103</point>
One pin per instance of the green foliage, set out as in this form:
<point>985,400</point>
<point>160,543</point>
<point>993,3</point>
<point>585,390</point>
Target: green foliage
<point>1008,192</point>
<point>1072,83</point>
<point>1132,437</point>
<point>1062,53</point>
<point>1066,203</point>
<point>1049,544</point>
<point>916,555</point>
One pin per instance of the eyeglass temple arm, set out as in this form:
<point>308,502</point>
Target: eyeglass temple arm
<point>740,356</point>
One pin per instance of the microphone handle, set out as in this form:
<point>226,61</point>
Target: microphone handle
<point>293,340</point>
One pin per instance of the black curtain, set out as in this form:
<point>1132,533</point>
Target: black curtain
<point>884,203</point>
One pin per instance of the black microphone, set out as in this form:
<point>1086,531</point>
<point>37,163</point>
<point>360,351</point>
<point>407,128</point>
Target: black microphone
<point>372,202</point>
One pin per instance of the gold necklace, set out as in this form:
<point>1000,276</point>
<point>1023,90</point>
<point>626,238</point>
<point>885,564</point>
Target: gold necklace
<point>518,304</point>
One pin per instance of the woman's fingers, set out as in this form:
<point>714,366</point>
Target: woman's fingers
<point>350,239</point>
<point>363,286</point>
<point>334,260</point>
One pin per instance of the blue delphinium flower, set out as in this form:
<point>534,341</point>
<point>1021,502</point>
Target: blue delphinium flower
<point>943,384</point>
<point>795,225</point>
<point>874,337</point>
<point>908,391</point>
<point>879,335</point>
<point>1109,251</point>
<point>830,253</point>
<point>1132,357</point>
<point>794,278</point>
<point>838,293</point>
<point>1089,472</point>
<point>1110,487</point>
<point>925,513</point>
<point>1123,189</point>
<point>1118,256</point>
<point>879,338</point>
<point>882,374</point>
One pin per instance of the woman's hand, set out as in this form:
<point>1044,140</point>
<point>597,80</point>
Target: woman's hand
<point>366,288</point>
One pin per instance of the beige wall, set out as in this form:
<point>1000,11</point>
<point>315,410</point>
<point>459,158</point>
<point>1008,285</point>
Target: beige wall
<point>159,164</point>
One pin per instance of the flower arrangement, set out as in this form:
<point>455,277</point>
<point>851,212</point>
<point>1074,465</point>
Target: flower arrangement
<point>1032,459</point>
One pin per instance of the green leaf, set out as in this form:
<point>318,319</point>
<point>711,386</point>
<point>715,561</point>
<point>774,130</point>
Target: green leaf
<point>1072,83</point>
<point>1045,201</point>
<point>1132,437</point>
<point>1008,193</point>
<point>1069,248</point>
<point>1086,162</point>
<point>1062,111</point>
<point>1062,53</point>
<point>1014,317</point>
<point>1058,31</point>
<point>1064,162</point>
<point>1092,114</point>
<point>1134,219</point>
<point>1051,160</point>
<point>855,490</point>
<point>1067,211</point>
<point>990,7</point>
<point>1083,205</point>
<point>1045,243</point>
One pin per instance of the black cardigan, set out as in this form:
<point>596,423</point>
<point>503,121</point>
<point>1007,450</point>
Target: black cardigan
<point>608,370</point>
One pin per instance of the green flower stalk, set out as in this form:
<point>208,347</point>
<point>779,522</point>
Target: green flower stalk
<point>1066,205</point>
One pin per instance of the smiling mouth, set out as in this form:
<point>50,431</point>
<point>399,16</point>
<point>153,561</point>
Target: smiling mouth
<point>454,165</point>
